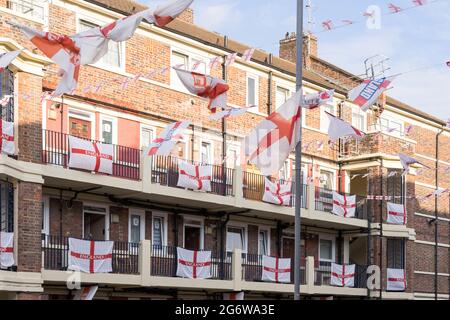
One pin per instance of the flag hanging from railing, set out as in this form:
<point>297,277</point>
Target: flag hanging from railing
<point>234,296</point>
<point>315,100</point>
<point>86,293</point>
<point>396,279</point>
<point>90,155</point>
<point>343,275</point>
<point>276,269</point>
<point>339,129</point>
<point>193,264</point>
<point>396,214</point>
<point>277,193</point>
<point>7,58</point>
<point>368,92</point>
<point>163,145</point>
<point>344,205</point>
<point>7,141</point>
<point>195,177</point>
<point>90,256</point>
<point>6,249</point>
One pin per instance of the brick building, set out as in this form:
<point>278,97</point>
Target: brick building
<point>139,206</point>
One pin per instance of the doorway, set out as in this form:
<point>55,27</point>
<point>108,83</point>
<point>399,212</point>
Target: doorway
<point>94,223</point>
<point>192,238</point>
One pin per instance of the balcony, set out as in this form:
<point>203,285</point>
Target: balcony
<point>324,202</point>
<point>322,275</point>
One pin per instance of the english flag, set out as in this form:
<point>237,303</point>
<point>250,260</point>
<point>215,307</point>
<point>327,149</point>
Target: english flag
<point>342,275</point>
<point>90,256</point>
<point>89,155</point>
<point>62,50</point>
<point>338,129</point>
<point>276,270</point>
<point>396,214</point>
<point>277,193</point>
<point>86,293</point>
<point>406,161</point>
<point>396,279</point>
<point>343,205</point>
<point>232,112</point>
<point>7,141</point>
<point>194,177</point>
<point>6,249</point>
<point>315,100</point>
<point>214,89</point>
<point>367,93</point>
<point>193,264</point>
<point>163,145</point>
<point>270,143</point>
<point>234,296</point>
<point>7,58</point>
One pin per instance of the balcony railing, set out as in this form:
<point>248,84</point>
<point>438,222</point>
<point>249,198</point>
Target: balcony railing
<point>165,173</point>
<point>252,268</point>
<point>55,150</point>
<point>7,89</point>
<point>324,202</point>
<point>323,275</point>
<point>125,256</point>
<point>164,263</point>
<point>254,188</point>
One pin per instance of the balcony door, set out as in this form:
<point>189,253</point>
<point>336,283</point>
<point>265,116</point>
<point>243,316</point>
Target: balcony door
<point>94,223</point>
<point>80,128</point>
<point>193,234</point>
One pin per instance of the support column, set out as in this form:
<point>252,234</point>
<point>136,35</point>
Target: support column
<point>236,270</point>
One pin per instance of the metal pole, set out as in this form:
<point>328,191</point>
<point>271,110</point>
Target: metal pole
<point>298,155</point>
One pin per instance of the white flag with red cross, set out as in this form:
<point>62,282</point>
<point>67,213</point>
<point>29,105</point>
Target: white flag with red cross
<point>344,205</point>
<point>163,145</point>
<point>368,92</point>
<point>396,214</point>
<point>232,112</point>
<point>233,296</point>
<point>7,141</point>
<point>270,143</point>
<point>7,58</point>
<point>406,161</point>
<point>214,89</point>
<point>5,100</point>
<point>277,193</point>
<point>90,155</point>
<point>86,293</point>
<point>276,269</point>
<point>62,50</point>
<point>193,264</point>
<point>339,129</point>
<point>195,177</point>
<point>90,256</point>
<point>6,249</point>
<point>248,54</point>
<point>315,100</point>
<point>342,275</point>
<point>396,279</point>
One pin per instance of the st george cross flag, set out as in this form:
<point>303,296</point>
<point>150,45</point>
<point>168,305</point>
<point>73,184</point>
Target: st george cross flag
<point>86,293</point>
<point>163,145</point>
<point>338,129</point>
<point>205,86</point>
<point>62,50</point>
<point>6,249</point>
<point>342,275</point>
<point>89,155</point>
<point>396,214</point>
<point>90,256</point>
<point>193,264</point>
<point>7,140</point>
<point>7,58</point>
<point>194,177</point>
<point>277,193</point>
<point>234,296</point>
<point>396,279</point>
<point>270,143</point>
<point>276,270</point>
<point>232,112</point>
<point>315,100</point>
<point>368,92</point>
<point>406,161</point>
<point>343,205</point>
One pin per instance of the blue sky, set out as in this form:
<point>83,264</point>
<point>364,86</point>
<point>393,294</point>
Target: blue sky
<point>412,39</point>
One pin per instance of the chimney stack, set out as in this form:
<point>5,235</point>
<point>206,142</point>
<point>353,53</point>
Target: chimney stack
<point>288,49</point>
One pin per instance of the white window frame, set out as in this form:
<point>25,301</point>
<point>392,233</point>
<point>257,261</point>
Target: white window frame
<point>211,150</point>
<point>238,225</point>
<point>267,230</point>
<point>164,216</point>
<point>44,19</point>
<point>106,214</point>
<point>333,180</point>
<point>256,78</point>
<point>190,57</point>
<point>114,129</point>
<point>145,127</point>
<point>333,247</point>
<point>324,116</point>
<point>141,214</point>
<point>364,119</point>
<point>46,215</point>
<point>201,226</point>
<point>289,94</point>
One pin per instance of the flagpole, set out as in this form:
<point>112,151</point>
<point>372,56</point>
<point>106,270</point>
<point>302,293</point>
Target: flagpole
<point>298,155</point>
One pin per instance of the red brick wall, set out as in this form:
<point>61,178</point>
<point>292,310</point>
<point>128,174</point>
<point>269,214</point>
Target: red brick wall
<point>119,231</point>
<point>72,225</point>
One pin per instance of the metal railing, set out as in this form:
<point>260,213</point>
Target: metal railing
<point>164,263</point>
<point>125,255</point>
<point>252,268</point>
<point>324,202</point>
<point>55,150</point>
<point>254,187</point>
<point>165,172</point>
<point>322,275</point>
<point>7,89</point>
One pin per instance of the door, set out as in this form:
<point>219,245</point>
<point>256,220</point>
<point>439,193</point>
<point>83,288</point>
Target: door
<point>94,226</point>
<point>192,238</point>
<point>80,128</point>
<point>135,228</point>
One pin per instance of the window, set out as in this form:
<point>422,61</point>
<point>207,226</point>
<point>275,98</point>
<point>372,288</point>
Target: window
<point>158,231</point>
<point>326,179</point>
<point>107,135</point>
<point>326,250</point>
<point>358,121</point>
<point>394,127</point>
<point>396,253</point>
<point>263,242</point>
<point>206,153</point>
<point>193,234</point>
<point>252,91</point>
<point>282,96</point>
<point>6,207</point>
<point>181,61</point>
<point>235,239</point>
<point>232,158</point>
<point>324,120</point>
<point>95,224</point>
<point>113,58</point>
<point>200,65</point>
<point>147,136</point>
<point>30,8</point>
<point>136,226</point>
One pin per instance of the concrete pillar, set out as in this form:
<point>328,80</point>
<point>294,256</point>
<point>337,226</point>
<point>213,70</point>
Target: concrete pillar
<point>145,259</point>
<point>238,183</point>
<point>236,269</point>
<point>310,275</point>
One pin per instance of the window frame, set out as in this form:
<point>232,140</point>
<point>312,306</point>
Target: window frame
<point>106,213</point>
<point>164,227</point>
<point>211,151</point>
<point>266,230</point>
<point>256,79</point>
<point>244,228</point>
<point>201,226</point>
<point>333,248</point>
<point>141,214</point>
<point>149,128</point>
<point>114,122</point>
<point>190,57</point>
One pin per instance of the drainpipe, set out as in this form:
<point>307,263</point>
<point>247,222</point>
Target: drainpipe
<point>381,232</point>
<point>224,126</point>
<point>223,227</point>
<point>60,215</point>
<point>436,219</point>
<point>270,87</point>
